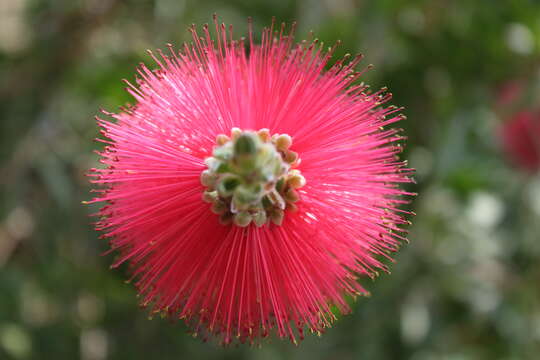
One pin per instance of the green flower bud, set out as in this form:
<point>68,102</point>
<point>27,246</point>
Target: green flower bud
<point>223,153</point>
<point>259,218</point>
<point>283,142</point>
<point>242,219</point>
<point>208,178</point>
<point>296,180</point>
<point>235,133</point>
<point>276,199</point>
<point>245,194</point>
<point>227,184</point>
<point>276,216</point>
<point>210,196</point>
<point>246,144</point>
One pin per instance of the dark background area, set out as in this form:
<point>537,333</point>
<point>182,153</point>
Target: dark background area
<point>467,285</point>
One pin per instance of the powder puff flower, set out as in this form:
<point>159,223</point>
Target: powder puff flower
<point>521,139</point>
<point>251,186</point>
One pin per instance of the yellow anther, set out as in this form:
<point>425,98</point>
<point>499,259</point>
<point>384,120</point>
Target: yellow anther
<point>296,180</point>
<point>283,142</point>
<point>222,139</point>
<point>291,157</point>
<point>264,135</point>
<point>242,219</point>
<point>291,195</point>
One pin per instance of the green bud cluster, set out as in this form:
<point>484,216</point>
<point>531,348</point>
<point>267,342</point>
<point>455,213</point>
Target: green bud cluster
<point>250,178</point>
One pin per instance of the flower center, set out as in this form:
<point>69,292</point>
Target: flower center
<point>250,177</point>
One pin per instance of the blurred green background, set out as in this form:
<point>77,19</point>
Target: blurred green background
<point>466,287</point>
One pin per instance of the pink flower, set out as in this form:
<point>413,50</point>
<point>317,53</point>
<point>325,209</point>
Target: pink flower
<point>249,187</point>
<point>521,139</point>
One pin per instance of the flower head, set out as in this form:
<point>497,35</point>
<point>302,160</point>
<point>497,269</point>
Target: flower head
<point>521,139</point>
<point>249,187</point>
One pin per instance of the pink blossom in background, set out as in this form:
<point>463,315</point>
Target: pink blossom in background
<point>334,219</point>
<point>521,139</point>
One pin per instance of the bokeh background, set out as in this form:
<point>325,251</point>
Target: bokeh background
<point>467,285</point>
